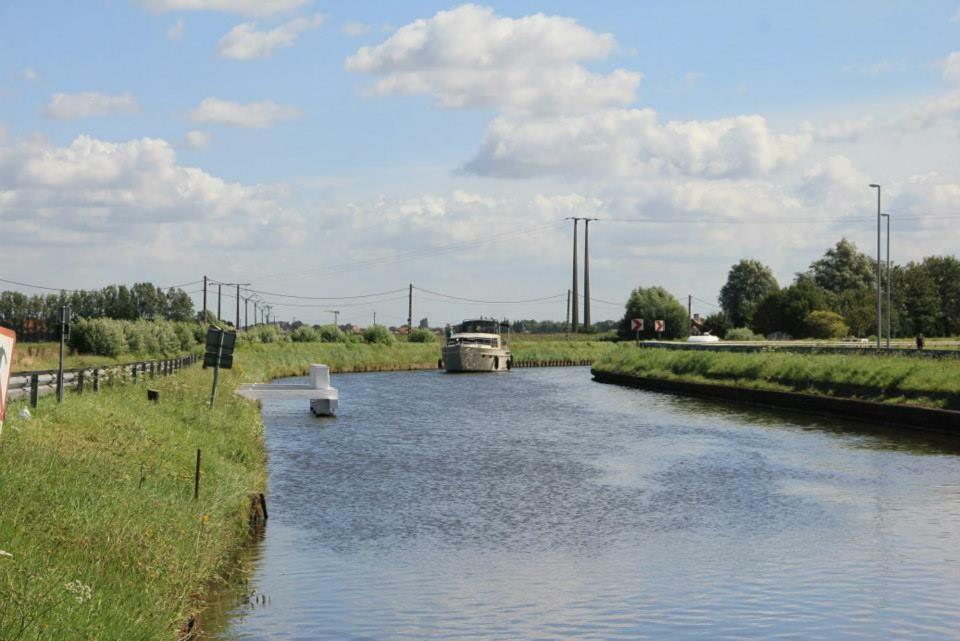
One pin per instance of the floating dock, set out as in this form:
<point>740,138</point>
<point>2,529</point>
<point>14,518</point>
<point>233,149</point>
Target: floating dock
<point>324,400</point>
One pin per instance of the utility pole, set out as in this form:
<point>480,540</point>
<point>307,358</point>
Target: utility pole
<point>237,326</point>
<point>64,316</point>
<point>219,295</point>
<point>204,319</point>
<point>879,297</point>
<point>374,319</point>
<point>689,312</point>
<point>246,312</point>
<point>336,316</point>
<point>576,288</point>
<point>586,272</point>
<point>889,283</point>
<point>410,308</point>
<point>567,320</point>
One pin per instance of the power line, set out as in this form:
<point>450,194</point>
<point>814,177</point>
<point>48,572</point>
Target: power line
<point>491,302</point>
<point>52,289</point>
<point>327,298</point>
<point>416,254</point>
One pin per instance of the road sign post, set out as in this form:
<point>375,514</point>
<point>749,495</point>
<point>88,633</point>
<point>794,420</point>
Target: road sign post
<point>218,353</point>
<point>636,324</point>
<point>8,341</point>
<point>659,327</point>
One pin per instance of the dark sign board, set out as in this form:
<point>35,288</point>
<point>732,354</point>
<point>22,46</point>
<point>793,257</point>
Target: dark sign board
<point>219,348</point>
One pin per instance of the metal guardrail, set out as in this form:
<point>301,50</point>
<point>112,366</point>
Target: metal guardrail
<point>34,384</point>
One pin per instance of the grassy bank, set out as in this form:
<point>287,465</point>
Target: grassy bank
<point>94,552</point>
<point>891,379</point>
<point>262,362</point>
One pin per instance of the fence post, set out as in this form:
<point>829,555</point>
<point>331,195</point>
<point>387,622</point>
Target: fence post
<point>34,389</point>
<point>134,372</point>
<point>80,376</point>
<point>96,379</point>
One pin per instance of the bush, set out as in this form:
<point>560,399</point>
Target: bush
<point>264,334</point>
<point>422,336</point>
<point>331,334</point>
<point>378,334</point>
<point>824,324</point>
<point>103,336</point>
<point>743,334</point>
<point>717,324</point>
<point>109,337</point>
<point>304,334</point>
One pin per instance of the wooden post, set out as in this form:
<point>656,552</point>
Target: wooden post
<point>96,379</point>
<point>80,377</point>
<point>34,390</point>
<point>196,478</point>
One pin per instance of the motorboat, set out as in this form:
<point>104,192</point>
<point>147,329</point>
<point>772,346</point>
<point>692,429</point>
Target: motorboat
<point>476,346</point>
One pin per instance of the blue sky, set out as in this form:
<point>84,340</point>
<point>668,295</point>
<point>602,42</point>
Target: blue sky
<point>334,148</point>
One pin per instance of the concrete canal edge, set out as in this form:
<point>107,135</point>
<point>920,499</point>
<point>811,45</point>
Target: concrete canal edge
<point>908,416</point>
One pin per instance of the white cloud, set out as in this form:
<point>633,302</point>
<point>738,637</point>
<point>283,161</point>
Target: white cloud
<point>197,140</point>
<point>175,32</point>
<point>931,112</point>
<point>633,142</point>
<point>89,104</point>
<point>255,114</point>
<point>470,57</point>
<point>842,131</point>
<point>951,68</point>
<point>243,7</point>
<point>244,42</point>
<point>355,29</point>
<point>117,189</point>
<point>30,74</point>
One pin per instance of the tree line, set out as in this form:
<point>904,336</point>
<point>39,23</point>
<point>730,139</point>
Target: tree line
<point>37,317</point>
<point>835,297</point>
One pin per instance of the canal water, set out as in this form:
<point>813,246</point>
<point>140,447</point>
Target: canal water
<point>538,504</point>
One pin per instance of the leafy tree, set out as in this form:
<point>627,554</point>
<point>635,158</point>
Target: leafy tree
<point>859,310</point>
<point>784,311</point>
<point>655,303</point>
<point>945,273</point>
<point>748,282</point>
<point>844,267</point>
<point>825,324</point>
<point>917,300</point>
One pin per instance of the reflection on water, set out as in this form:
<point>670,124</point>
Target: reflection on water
<point>537,504</point>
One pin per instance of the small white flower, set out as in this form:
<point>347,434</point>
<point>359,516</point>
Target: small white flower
<point>80,591</point>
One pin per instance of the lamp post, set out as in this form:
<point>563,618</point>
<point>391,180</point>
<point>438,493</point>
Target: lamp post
<point>879,318</point>
<point>889,283</point>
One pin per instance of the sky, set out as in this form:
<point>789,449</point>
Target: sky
<point>322,150</point>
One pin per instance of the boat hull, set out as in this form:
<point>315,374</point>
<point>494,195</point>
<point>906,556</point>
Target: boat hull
<point>467,358</point>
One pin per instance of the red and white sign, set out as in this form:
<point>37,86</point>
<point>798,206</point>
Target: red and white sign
<point>8,340</point>
<point>636,324</point>
<point>659,326</point>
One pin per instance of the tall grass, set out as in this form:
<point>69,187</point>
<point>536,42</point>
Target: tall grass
<point>899,379</point>
<point>96,554</point>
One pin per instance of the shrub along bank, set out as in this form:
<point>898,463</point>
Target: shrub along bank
<point>890,379</point>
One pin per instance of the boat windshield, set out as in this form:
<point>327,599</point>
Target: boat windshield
<point>480,327</point>
<point>473,340</point>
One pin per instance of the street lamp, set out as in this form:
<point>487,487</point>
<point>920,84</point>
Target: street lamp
<point>889,282</point>
<point>879,319</point>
